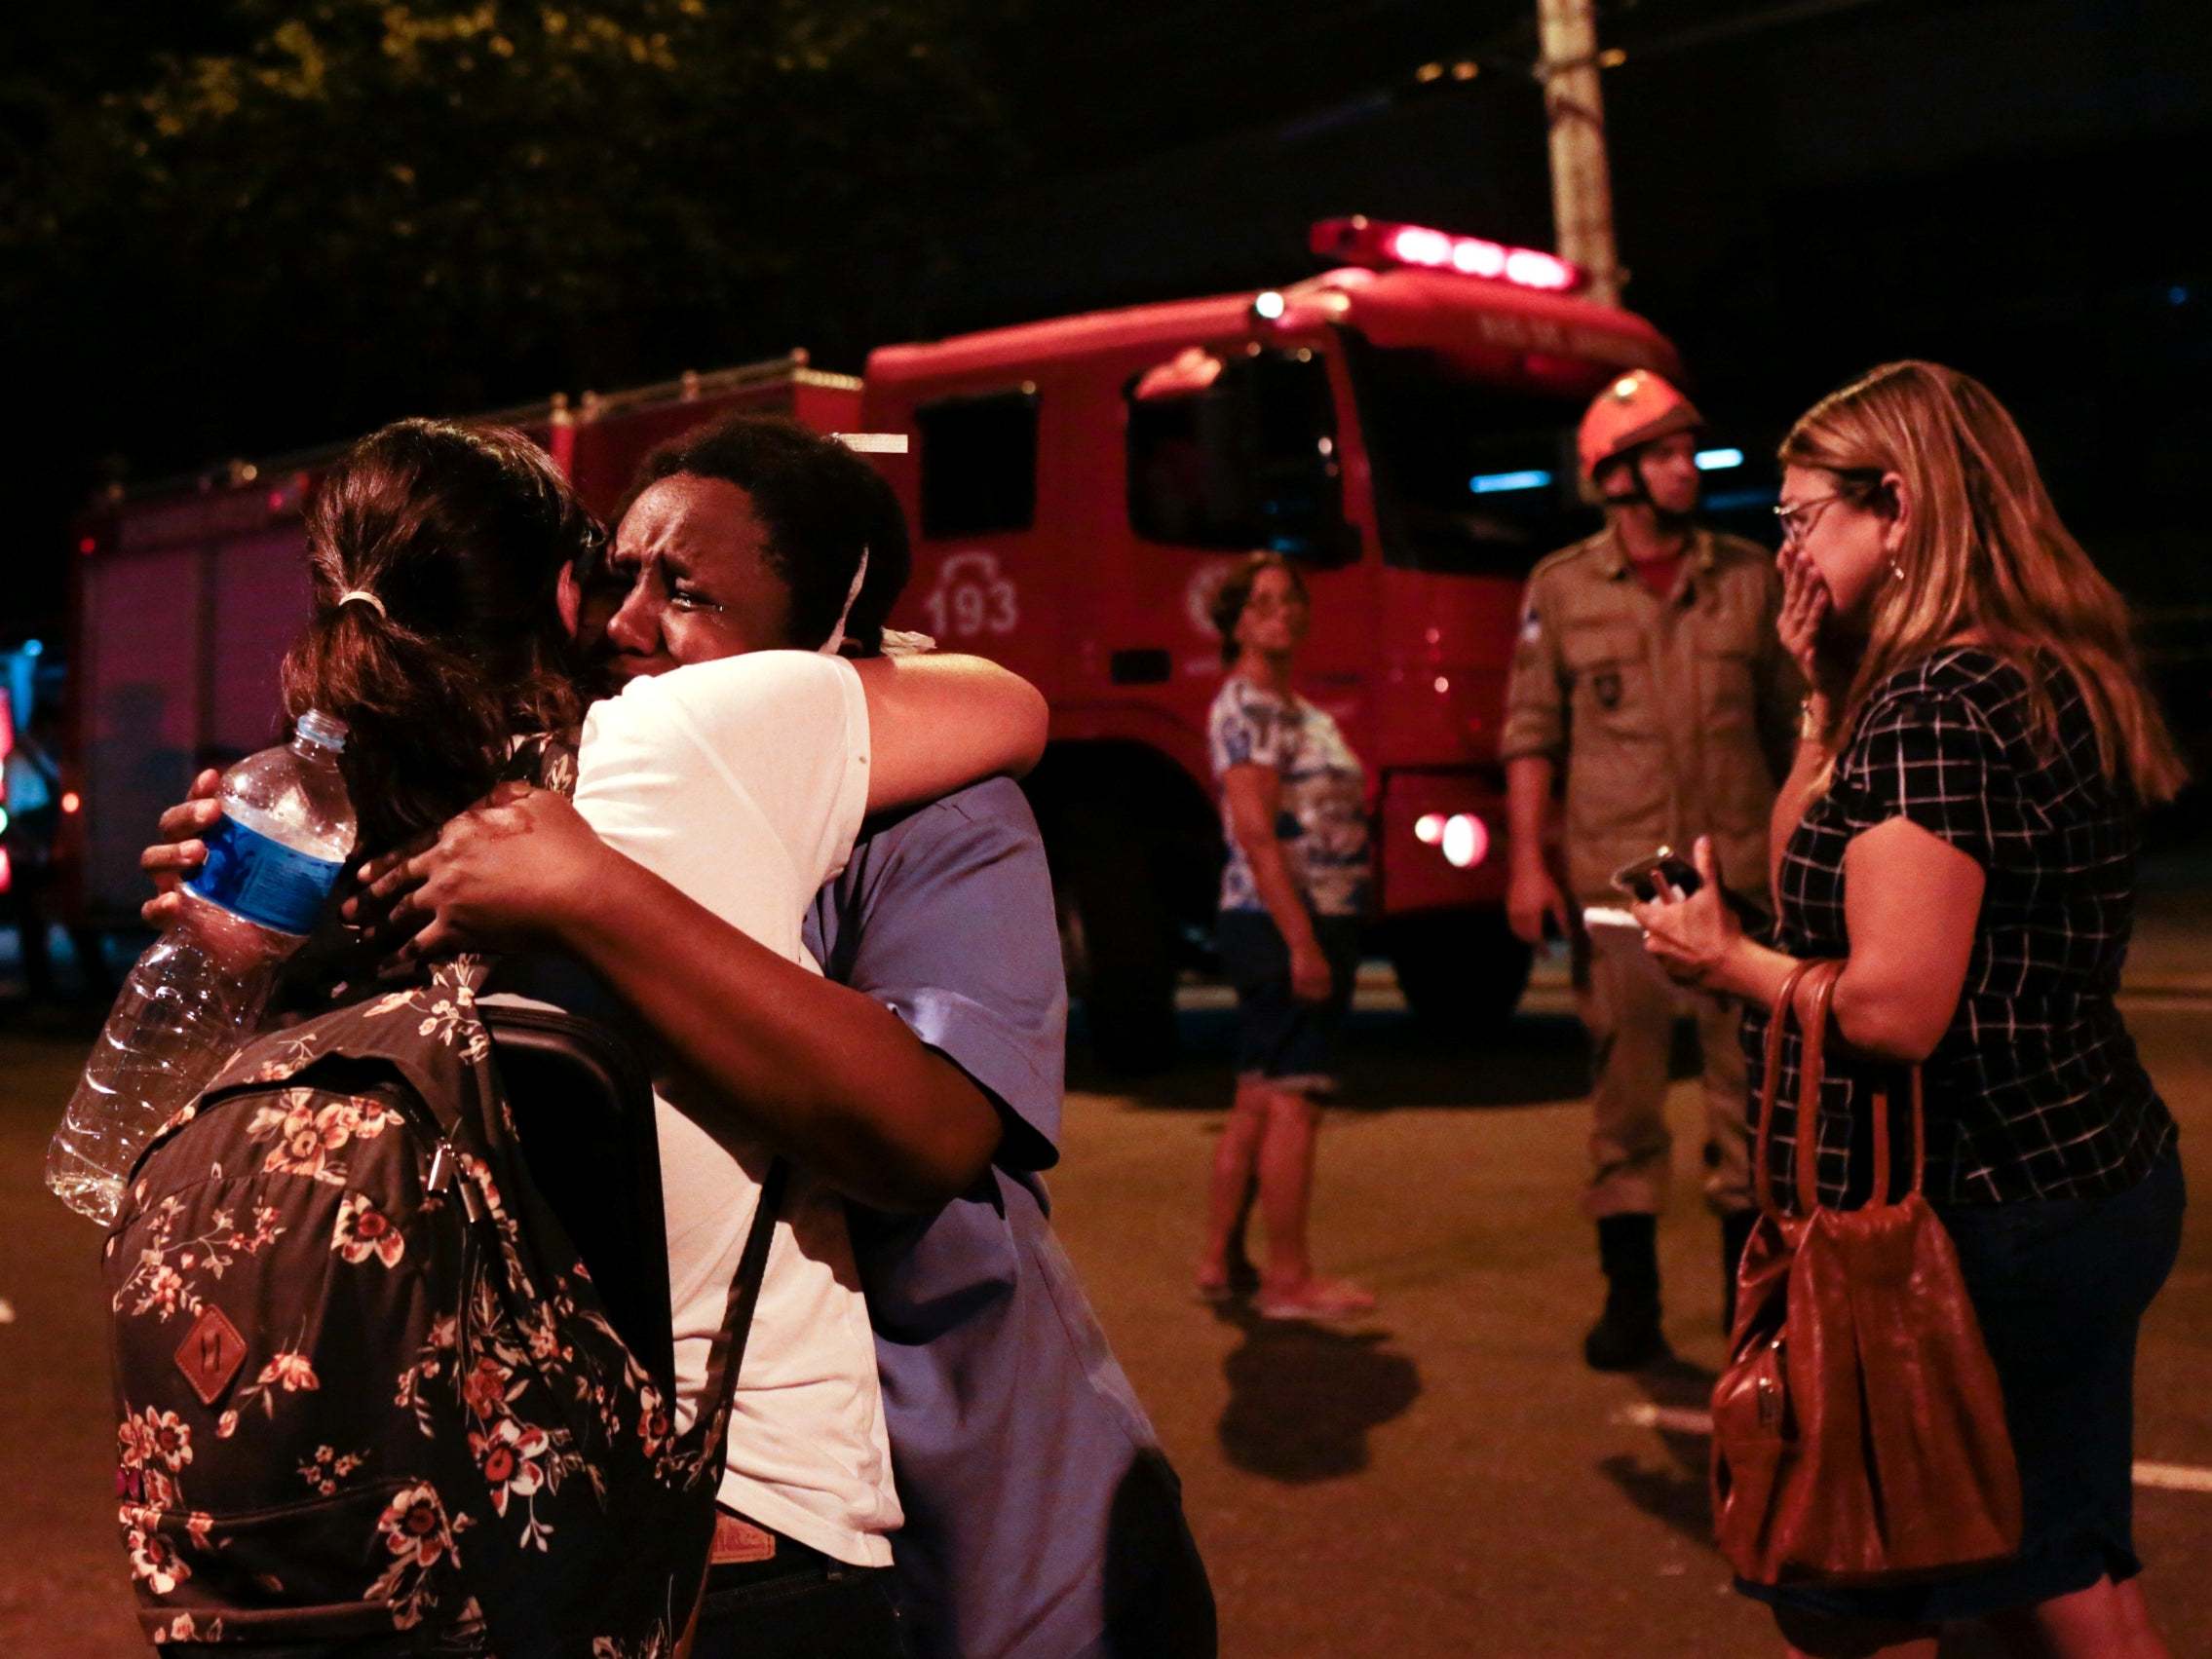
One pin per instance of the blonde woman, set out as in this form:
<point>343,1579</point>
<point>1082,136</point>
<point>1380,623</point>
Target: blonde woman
<point>1961,827</point>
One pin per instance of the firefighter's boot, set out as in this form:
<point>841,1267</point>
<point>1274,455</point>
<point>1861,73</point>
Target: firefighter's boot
<point>1736,1234</point>
<point>1626,1335</point>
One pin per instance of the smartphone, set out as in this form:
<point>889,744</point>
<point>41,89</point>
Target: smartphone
<point>1641,879</point>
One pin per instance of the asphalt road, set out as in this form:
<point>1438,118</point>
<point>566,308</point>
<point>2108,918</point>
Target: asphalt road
<point>1447,1480</point>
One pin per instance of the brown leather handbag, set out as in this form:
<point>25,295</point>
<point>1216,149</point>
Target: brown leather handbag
<point>1858,1429</point>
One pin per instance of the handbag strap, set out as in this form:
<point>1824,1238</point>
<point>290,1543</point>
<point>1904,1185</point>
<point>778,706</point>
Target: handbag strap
<point>1770,1087</point>
<point>1810,991</point>
<point>1920,1135</point>
<point>1811,996</point>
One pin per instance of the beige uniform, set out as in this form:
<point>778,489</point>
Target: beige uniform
<point>1672,718</point>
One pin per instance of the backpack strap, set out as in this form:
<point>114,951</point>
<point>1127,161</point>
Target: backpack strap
<point>728,1354</point>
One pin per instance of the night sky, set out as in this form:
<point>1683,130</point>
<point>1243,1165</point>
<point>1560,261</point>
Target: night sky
<point>1802,190</point>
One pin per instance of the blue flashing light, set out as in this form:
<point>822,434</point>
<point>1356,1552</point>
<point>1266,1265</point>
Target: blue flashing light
<point>34,647</point>
<point>1735,501</point>
<point>1501,483</point>
<point>2177,294</point>
<point>1718,460</point>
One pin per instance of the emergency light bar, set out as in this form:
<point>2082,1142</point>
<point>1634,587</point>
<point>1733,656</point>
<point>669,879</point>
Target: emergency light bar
<point>1380,244</point>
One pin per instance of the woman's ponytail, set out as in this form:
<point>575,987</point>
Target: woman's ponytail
<point>434,550</point>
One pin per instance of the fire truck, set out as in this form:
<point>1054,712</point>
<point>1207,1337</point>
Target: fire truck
<point>1399,424</point>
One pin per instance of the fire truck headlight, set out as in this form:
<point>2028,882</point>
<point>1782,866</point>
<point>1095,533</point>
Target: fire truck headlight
<point>1268,305</point>
<point>1466,839</point>
<point>1429,828</point>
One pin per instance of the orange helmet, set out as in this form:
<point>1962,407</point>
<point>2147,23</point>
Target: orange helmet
<point>1637,408</point>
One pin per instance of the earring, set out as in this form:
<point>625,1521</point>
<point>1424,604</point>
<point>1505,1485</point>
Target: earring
<point>1897,571</point>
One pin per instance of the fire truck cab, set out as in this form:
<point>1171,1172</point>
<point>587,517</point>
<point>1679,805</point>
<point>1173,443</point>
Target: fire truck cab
<point>1401,426</point>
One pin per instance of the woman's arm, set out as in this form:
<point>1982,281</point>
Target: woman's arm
<point>1911,901</point>
<point>1254,796</point>
<point>827,1076</point>
<point>936,724</point>
<point>1797,793</point>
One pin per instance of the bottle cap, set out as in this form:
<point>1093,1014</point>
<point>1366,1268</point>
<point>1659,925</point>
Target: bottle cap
<point>325,729</point>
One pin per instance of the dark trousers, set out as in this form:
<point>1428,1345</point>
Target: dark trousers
<point>798,1605</point>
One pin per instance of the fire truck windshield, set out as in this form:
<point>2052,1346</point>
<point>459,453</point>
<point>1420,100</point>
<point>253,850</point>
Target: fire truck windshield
<point>1469,478</point>
<point>1244,457</point>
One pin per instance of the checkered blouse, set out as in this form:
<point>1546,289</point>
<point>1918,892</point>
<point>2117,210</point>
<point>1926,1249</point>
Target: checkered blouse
<point>2035,1091</point>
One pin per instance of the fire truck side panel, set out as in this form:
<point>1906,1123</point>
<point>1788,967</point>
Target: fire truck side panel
<point>140,678</point>
<point>262,596</point>
<point>827,407</point>
<point>996,557</point>
<point>607,447</point>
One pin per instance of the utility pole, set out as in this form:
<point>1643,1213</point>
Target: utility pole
<point>1573,109</point>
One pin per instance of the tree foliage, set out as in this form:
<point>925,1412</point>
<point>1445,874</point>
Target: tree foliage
<point>359,207</point>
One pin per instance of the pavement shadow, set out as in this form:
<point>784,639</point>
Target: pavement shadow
<point>1302,1396</point>
<point>1393,1059</point>
<point>1677,1489</point>
<point>1388,1058</point>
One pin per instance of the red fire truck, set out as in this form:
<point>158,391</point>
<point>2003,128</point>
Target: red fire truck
<point>1401,424</point>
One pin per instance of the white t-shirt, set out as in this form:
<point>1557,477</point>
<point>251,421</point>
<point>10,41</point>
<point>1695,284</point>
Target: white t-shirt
<point>743,784</point>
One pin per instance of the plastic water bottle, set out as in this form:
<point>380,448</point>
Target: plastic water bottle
<point>273,858</point>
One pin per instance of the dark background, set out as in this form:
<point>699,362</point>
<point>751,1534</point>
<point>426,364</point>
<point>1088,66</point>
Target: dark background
<point>241,228</point>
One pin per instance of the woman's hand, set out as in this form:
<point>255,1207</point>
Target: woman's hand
<point>1806,609</point>
<point>514,872</point>
<point>178,854</point>
<point>1310,978</point>
<point>1692,937</point>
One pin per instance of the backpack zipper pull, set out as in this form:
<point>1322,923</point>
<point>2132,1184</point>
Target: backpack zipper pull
<point>442,1161</point>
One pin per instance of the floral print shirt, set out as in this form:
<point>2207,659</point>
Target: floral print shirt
<point>1322,819</point>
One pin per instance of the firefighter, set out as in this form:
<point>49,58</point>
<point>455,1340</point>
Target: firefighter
<point>1648,669</point>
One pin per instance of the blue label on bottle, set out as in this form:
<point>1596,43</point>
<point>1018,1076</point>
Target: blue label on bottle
<point>262,879</point>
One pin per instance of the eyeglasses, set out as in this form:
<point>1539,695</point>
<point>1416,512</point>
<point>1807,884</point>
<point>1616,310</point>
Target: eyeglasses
<point>1797,518</point>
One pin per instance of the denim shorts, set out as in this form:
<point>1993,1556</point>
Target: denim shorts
<point>1279,1039</point>
<point>2060,1286</point>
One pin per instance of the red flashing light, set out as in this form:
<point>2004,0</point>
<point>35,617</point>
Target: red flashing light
<point>1378,245</point>
<point>86,544</point>
<point>70,802</point>
<point>1465,841</point>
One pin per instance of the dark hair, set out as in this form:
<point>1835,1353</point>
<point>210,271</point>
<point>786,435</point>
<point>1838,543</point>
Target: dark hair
<point>819,503</point>
<point>1236,592</point>
<point>461,534</point>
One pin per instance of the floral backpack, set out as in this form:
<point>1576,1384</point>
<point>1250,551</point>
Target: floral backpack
<point>370,1398</point>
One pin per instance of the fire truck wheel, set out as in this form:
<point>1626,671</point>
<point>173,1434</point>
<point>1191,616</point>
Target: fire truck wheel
<point>1118,943</point>
<point>1460,970</point>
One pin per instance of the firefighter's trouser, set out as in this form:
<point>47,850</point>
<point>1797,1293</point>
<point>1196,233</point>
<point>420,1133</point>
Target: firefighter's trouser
<point>1630,1008</point>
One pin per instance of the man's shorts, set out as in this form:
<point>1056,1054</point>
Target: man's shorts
<point>1287,1043</point>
